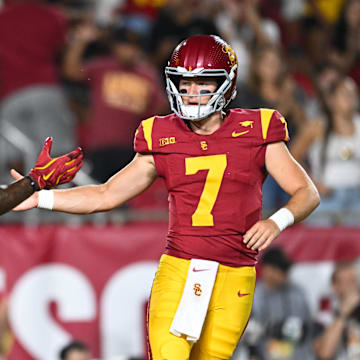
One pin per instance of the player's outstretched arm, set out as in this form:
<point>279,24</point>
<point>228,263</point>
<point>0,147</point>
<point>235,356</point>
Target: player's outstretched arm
<point>15,193</point>
<point>47,173</point>
<point>293,179</point>
<point>123,186</point>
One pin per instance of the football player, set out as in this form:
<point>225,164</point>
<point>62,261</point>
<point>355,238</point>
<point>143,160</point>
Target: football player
<point>47,173</point>
<point>214,162</point>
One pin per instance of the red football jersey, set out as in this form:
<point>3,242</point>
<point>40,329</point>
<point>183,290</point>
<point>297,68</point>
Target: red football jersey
<point>214,181</point>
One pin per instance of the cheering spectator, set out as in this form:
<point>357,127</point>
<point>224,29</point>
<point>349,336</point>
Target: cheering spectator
<point>331,146</point>
<point>280,323</point>
<point>125,89</point>
<point>338,321</point>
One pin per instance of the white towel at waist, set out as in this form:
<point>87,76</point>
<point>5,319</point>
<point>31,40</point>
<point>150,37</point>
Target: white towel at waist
<point>191,312</point>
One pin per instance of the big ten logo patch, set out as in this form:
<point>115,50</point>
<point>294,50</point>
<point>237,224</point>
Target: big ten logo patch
<point>126,91</point>
<point>204,145</point>
<point>197,289</point>
<point>231,53</point>
<point>167,141</point>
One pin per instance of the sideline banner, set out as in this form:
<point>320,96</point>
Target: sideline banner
<point>92,283</point>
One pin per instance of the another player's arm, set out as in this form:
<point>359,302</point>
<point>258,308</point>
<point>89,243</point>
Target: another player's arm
<point>123,186</point>
<point>292,178</point>
<point>15,193</point>
<point>47,173</point>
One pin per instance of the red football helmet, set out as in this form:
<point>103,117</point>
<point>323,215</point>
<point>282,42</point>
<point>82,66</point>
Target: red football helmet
<point>207,56</point>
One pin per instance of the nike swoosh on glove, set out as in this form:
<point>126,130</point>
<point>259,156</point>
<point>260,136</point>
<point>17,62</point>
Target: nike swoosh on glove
<point>50,172</point>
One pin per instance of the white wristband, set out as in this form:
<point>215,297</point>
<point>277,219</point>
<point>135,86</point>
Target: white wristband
<point>46,199</point>
<point>283,218</point>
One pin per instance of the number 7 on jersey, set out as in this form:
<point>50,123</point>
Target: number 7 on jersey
<point>216,165</point>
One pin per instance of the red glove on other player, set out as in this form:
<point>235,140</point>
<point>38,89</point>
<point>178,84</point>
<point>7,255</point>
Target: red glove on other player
<point>49,172</point>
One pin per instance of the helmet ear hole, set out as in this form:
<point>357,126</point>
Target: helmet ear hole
<point>175,79</point>
<point>219,81</point>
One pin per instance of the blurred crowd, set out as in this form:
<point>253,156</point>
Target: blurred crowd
<point>87,72</point>
<point>283,325</point>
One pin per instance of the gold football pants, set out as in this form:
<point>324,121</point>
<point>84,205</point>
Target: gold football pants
<point>226,319</point>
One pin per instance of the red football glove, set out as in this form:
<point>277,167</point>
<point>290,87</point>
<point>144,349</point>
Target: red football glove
<point>49,172</point>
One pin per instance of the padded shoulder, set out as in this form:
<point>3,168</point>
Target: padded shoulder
<point>273,126</point>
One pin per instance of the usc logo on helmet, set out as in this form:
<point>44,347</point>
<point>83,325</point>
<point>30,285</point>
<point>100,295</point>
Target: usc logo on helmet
<point>231,53</point>
<point>197,289</point>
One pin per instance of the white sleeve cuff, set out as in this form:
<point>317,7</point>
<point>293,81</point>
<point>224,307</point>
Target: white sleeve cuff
<point>46,199</point>
<point>283,218</point>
